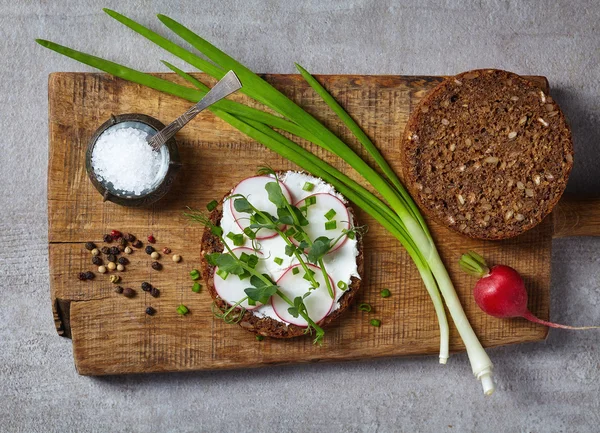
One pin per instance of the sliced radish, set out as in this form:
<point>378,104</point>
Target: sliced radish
<point>318,303</point>
<point>253,188</point>
<point>317,219</point>
<point>231,289</point>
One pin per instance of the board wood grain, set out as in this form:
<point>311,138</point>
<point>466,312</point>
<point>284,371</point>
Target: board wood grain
<point>112,334</point>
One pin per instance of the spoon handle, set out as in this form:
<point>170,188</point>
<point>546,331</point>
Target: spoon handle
<point>226,86</point>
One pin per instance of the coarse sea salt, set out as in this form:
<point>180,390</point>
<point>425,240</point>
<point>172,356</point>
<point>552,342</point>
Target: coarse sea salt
<point>123,157</point>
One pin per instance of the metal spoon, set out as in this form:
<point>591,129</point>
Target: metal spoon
<point>226,86</point>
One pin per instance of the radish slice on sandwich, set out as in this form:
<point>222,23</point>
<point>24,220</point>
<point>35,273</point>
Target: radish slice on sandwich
<point>292,284</point>
<point>231,289</point>
<point>327,216</point>
<point>253,188</point>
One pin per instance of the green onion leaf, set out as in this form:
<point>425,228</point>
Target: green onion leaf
<point>375,322</point>
<point>212,205</point>
<point>385,293</point>
<point>330,225</point>
<point>194,274</point>
<point>278,260</point>
<point>365,307</point>
<point>308,186</point>
<point>342,285</point>
<point>250,233</point>
<point>222,273</point>
<point>330,214</point>
<point>196,288</point>
<point>296,270</point>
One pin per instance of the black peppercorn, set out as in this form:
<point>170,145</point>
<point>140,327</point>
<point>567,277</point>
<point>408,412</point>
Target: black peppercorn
<point>156,266</point>
<point>146,287</point>
<point>96,260</point>
<point>90,246</point>
<point>166,250</point>
<point>150,311</point>
<point>154,292</point>
<point>123,261</point>
<point>123,241</point>
<point>107,238</point>
<point>82,276</point>
<point>137,244</point>
<point>128,292</point>
<point>105,250</point>
<point>115,251</point>
<point>89,275</point>
<point>149,249</point>
<point>129,237</point>
<point>118,289</point>
<point>111,258</point>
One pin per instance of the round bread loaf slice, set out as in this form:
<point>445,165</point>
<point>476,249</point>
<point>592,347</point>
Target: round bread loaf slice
<point>268,326</point>
<point>487,153</point>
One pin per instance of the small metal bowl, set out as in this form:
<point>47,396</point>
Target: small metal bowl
<point>169,167</point>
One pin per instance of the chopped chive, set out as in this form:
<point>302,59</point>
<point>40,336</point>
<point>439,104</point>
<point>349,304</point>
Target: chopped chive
<point>295,271</point>
<point>308,186</point>
<point>183,310</point>
<point>259,338</point>
<point>303,209</point>
<point>250,233</point>
<point>212,205</point>
<point>290,232</point>
<point>244,257</point>
<point>237,239</point>
<point>221,273</point>
<point>365,307</point>
<point>309,201</point>
<point>278,260</point>
<point>330,225</point>
<point>194,274</point>
<point>196,288</point>
<point>330,214</point>
<point>299,236</point>
<point>375,322</point>
<point>253,261</point>
<point>307,276</point>
<point>385,293</point>
<point>350,235</point>
<point>342,285</point>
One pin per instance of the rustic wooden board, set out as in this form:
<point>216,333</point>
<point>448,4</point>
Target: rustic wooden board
<point>112,334</point>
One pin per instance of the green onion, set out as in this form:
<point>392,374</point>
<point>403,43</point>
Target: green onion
<point>253,261</point>
<point>342,285</point>
<point>212,205</point>
<point>330,225</point>
<point>278,260</point>
<point>250,233</point>
<point>365,307</point>
<point>244,257</point>
<point>295,271</point>
<point>221,273</point>
<point>196,288</point>
<point>194,274</point>
<point>375,322</point>
<point>182,310</point>
<point>385,293</point>
<point>299,236</point>
<point>309,201</point>
<point>259,338</point>
<point>308,186</point>
<point>330,214</point>
<point>307,275</point>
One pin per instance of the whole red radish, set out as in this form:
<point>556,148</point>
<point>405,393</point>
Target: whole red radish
<point>500,291</point>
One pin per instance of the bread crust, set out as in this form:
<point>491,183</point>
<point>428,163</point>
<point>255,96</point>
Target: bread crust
<point>267,326</point>
<point>487,154</point>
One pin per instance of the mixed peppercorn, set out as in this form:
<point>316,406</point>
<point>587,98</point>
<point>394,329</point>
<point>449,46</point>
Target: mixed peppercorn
<point>108,258</point>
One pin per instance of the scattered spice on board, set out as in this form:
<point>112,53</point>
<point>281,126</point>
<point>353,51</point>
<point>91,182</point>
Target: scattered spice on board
<point>156,266</point>
<point>150,311</point>
<point>166,250</point>
<point>96,261</point>
<point>149,249</point>
<point>146,287</point>
<point>90,246</point>
<point>137,244</point>
<point>107,238</point>
<point>128,292</point>
<point>151,239</point>
<point>119,289</point>
<point>154,292</point>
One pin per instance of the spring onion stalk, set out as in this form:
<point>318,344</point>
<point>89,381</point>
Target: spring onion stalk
<point>403,220</point>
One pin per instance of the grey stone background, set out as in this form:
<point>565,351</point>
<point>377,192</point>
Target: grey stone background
<point>546,387</point>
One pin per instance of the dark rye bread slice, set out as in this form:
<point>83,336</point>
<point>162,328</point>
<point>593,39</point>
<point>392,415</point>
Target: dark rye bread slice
<point>267,326</point>
<point>487,154</point>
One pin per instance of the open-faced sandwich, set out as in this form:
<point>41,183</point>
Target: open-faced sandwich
<point>281,254</point>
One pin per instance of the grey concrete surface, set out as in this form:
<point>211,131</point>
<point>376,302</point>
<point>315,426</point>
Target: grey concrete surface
<point>552,386</point>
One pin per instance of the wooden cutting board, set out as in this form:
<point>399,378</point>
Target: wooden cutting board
<point>112,334</point>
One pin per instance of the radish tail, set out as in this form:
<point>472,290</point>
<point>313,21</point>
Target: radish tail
<point>534,319</point>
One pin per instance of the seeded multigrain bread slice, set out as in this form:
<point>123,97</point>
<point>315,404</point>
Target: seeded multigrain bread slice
<point>487,153</point>
<point>265,325</point>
